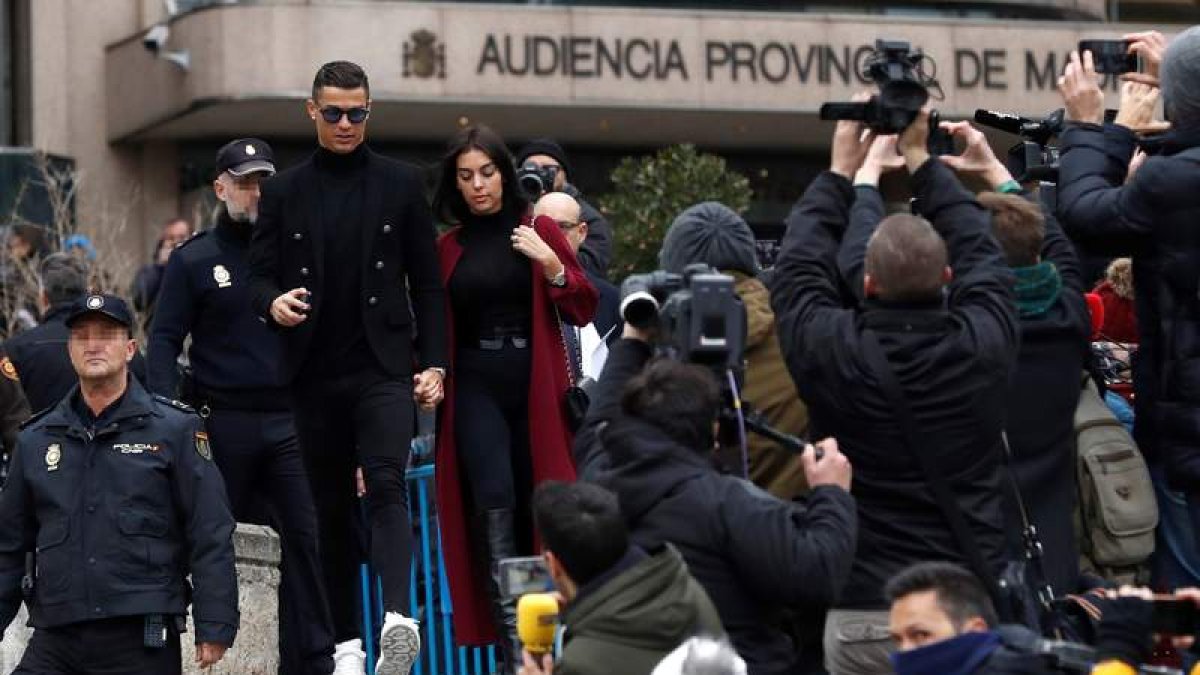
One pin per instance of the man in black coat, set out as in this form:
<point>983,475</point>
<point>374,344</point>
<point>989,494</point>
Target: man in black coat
<point>1152,217</point>
<point>39,355</point>
<point>596,251</point>
<point>115,493</point>
<point>342,242</point>
<point>951,347</point>
<point>649,438</point>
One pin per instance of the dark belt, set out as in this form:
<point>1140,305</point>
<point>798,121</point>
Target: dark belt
<point>264,399</point>
<point>498,343</point>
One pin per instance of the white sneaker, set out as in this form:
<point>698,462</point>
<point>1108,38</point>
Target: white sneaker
<point>349,658</point>
<point>399,645</point>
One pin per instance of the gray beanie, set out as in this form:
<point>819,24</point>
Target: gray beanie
<point>710,233</point>
<point>1180,78</point>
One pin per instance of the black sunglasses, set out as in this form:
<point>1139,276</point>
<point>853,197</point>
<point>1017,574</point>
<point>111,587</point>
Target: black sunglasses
<point>333,115</point>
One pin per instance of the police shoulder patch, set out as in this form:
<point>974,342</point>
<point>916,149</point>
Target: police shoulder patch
<point>37,416</point>
<point>178,405</point>
<point>9,370</point>
<point>202,446</point>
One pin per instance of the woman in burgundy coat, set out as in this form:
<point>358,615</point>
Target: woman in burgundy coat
<point>501,430</point>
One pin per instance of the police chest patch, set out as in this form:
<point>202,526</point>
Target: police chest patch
<point>134,448</point>
<point>53,456</point>
<point>8,369</point>
<point>202,447</point>
<point>222,276</point>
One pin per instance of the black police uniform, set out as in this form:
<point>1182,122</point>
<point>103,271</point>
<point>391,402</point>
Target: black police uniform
<point>39,357</point>
<point>236,386</point>
<point>120,508</point>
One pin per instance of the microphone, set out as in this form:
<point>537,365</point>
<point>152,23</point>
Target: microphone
<point>537,620</point>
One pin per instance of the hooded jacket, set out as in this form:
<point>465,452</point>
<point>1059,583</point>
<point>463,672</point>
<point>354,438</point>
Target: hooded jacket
<point>754,554</point>
<point>634,620</point>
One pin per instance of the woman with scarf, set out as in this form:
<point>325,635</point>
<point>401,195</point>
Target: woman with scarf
<point>1055,328</point>
<point>511,281</point>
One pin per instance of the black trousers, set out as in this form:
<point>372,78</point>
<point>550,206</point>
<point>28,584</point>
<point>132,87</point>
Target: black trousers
<point>260,461</point>
<point>491,426</point>
<point>359,419</point>
<point>105,647</point>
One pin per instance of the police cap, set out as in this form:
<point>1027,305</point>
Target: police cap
<point>109,306</point>
<point>245,156</point>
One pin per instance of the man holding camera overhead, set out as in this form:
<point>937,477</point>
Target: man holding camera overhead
<point>914,376</point>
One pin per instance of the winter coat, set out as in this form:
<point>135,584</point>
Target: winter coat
<point>1120,319</point>
<point>754,554</point>
<point>550,437</point>
<point>769,390</point>
<point>632,621</point>
<point>1152,219</point>
<point>596,252</point>
<point>952,358</point>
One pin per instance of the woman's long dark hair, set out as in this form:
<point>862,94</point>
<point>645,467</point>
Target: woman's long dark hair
<point>448,202</point>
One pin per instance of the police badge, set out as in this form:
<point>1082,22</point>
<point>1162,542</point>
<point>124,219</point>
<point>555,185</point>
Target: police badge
<point>53,456</point>
<point>222,276</point>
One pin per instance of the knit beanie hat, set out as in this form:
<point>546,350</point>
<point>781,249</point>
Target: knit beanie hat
<point>711,233</point>
<point>544,146</point>
<point>1180,79</point>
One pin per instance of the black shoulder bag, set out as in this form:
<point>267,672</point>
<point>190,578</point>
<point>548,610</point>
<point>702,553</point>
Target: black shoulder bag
<point>1021,594</point>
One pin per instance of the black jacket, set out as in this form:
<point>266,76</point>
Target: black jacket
<point>43,364</point>
<point>206,293</point>
<point>608,309</point>
<point>754,554</point>
<point>953,360</point>
<point>1154,219</point>
<point>287,251</point>
<point>119,517</point>
<point>596,252</point>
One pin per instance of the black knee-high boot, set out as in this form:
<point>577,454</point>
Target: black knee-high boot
<point>500,537</point>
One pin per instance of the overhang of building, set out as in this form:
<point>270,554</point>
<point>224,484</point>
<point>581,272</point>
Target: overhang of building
<point>582,74</point>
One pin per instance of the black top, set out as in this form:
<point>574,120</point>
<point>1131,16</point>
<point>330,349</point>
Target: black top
<point>490,289</point>
<point>206,293</point>
<point>339,331</point>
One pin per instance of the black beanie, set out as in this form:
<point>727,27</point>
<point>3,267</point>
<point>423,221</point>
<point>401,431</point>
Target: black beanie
<point>710,233</point>
<point>544,146</point>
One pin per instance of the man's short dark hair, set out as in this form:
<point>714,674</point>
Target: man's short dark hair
<point>1018,225</point>
<point>906,258</point>
<point>63,277</point>
<point>581,524</point>
<point>959,593</point>
<point>340,74</point>
<point>681,399</point>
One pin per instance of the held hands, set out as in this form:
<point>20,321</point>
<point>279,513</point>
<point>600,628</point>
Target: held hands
<point>1080,88</point>
<point>290,309</point>
<point>427,388</point>
<point>833,468</point>
<point>977,158</point>
<point>526,241</point>
<point>208,653</point>
<point>882,157</point>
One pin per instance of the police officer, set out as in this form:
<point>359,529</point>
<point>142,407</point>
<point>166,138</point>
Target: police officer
<point>38,356</point>
<point>236,386</point>
<point>117,493</point>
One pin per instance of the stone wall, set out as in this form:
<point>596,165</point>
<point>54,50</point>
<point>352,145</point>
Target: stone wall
<point>255,651</point>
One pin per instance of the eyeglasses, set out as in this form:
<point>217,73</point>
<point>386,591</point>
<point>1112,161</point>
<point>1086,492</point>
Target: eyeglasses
<point>333,115</point>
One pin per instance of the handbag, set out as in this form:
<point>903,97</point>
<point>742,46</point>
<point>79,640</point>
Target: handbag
<point>1020,593</point>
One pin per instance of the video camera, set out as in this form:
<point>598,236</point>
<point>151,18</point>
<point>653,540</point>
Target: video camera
<point>1034,158</point>
<point>896,68</point>
<point>699,316</point>
<point>536,180</point>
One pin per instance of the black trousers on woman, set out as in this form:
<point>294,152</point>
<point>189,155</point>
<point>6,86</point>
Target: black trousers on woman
<point>365,419</point>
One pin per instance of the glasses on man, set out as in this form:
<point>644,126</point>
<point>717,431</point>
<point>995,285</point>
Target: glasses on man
<point>333,114</point>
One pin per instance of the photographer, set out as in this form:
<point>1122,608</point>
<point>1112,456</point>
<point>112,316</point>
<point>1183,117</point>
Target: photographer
<point>921,353</point>
<point>548,156</point>
<point>623,604</point>
<point>1152,218</point>
<point>649,438</point>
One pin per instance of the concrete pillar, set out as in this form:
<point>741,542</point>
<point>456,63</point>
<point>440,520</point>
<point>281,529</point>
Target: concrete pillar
<point>256,650</point>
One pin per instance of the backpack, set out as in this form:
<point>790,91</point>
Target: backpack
<point>1118,512</point>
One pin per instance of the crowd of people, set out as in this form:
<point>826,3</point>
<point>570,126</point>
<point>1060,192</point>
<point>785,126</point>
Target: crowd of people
<point>949,486</point>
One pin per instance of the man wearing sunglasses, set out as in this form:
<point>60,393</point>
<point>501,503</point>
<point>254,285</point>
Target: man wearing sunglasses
<point>342,242</point>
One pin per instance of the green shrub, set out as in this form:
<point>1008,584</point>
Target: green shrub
<point>648,192</point>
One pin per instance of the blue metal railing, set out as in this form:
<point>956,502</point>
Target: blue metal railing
<point>429,592</point>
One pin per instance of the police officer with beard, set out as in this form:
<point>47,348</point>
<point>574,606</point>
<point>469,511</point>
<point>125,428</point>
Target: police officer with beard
<point>235,384</point>
<point>113,501</point>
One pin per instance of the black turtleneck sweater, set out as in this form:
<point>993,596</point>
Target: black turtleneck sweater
<point>339,336</point>
<point>490,289</point>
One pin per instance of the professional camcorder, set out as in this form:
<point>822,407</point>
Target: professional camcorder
<point>1034,158</point>
<point>699,317</point>
<point>536,180</point>
<point>895,68</point>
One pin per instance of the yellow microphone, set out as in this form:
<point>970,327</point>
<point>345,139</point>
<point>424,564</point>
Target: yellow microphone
<point>537,620</point>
